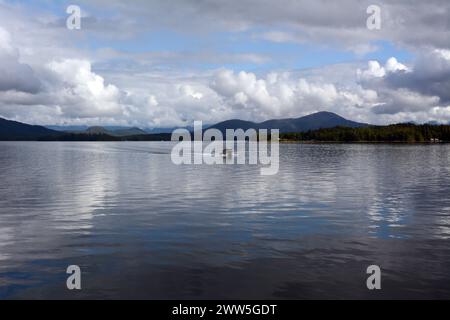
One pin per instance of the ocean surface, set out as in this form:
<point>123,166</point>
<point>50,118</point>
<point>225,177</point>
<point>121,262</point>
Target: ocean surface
<point>142,227</point>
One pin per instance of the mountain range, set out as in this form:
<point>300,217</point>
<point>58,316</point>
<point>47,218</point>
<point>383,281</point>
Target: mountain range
<point>12,130</point>
<point>319,120</point>
<point>114,130</point>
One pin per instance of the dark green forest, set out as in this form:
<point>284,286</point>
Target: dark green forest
<point>409,133</point>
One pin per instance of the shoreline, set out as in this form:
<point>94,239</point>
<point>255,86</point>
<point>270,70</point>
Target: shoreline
<point>287,141</point>
<point>281,141</point>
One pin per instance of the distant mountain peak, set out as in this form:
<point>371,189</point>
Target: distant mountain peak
<point>96,130</point>
<point>318,120</point>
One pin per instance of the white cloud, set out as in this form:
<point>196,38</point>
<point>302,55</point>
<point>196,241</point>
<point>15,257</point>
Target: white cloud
<point>375,70</point>
<point>83,93</point>
<point>61,89</point>
<point>46,78</point>
<point>392,65</point>
<point>284,95</point>
<point>421,88</point>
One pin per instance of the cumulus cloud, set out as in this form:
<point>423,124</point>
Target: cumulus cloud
<point>66,88</point>
<point>71,92</point>
<point>81,92</point>
<point>285,95</point>
<point>69,89</point>
<point>430,76</point>
<point>376,70</point>
<point>14,75</point>
<point>46,77</point>
<point>423,87</point>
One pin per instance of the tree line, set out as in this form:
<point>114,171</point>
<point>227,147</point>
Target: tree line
<point>410,133</point>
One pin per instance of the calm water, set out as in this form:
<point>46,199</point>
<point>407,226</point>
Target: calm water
<point>141,227</point>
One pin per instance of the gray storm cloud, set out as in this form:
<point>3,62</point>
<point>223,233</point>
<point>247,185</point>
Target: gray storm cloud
<point>414,23</point>
<point>422,87</point>
<point>430,76</point>
<point>15,75</point>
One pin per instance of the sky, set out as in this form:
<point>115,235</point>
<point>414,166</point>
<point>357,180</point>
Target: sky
<point>159,63</point>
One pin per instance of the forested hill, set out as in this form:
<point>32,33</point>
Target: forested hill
<point>13,130</point>
<point>393,133</point>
